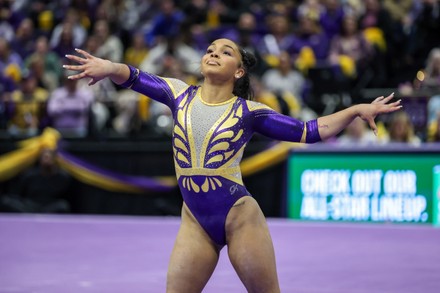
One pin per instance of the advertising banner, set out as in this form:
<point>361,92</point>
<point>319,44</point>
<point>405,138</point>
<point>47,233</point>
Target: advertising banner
<point>373,187</point>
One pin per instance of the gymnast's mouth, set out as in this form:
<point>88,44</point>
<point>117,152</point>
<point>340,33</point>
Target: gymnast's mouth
<point>212,62</point>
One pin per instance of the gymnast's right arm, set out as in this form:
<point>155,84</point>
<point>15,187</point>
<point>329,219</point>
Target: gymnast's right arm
<point>124,75</point>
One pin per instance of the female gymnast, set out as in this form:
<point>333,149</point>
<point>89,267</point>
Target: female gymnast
<point>212,124</point>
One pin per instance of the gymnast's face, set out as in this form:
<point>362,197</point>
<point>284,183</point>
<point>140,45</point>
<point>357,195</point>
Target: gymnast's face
<point>222,60</point>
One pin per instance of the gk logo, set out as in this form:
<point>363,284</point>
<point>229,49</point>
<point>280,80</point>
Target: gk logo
<point>233,189</point>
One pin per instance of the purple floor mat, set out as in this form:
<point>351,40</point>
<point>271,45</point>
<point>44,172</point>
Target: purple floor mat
<point>57,254</point>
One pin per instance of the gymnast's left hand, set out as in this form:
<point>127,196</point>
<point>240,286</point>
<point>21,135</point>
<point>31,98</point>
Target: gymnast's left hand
<point>89,66</point>
<point>380,105</point>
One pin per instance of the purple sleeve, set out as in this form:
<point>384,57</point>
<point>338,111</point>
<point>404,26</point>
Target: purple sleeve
<point>151,86</point>
<point>281,127</point>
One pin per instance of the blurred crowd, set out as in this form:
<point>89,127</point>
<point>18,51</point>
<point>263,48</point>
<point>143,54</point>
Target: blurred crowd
<point>315,57</point>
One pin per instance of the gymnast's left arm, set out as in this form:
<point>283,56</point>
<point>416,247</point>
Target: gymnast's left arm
<point>333,124</point>
<point>281,127</point>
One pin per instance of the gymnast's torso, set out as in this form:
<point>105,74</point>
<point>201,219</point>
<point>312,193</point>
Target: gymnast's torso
<point>208,144</point>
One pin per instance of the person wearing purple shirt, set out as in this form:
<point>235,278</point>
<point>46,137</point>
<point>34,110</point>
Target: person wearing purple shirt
<point>69,108</point>
<point>331,18</point>
<point>310,35</point>
<point>213,122</point>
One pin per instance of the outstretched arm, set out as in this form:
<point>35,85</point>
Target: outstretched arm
<point>97,69</point>
<point>333,124</point>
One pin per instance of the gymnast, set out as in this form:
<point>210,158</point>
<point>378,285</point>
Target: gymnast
<point>213,122</point>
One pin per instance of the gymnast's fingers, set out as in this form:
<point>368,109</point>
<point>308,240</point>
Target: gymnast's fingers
<point>84,53</point>
<point>77,76</point>
<point>387,99</point>
<point>76,58</point>
<point>73,67</point>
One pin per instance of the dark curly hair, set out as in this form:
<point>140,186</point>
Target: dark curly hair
<point>242,86</point>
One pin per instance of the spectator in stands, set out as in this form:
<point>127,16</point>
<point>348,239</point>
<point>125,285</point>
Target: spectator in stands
<point>284,103</point>
<point>285,81</point>
<point>6,29</point>
<point>104,93</point>
<point>428,78</point>
<point>277,39</point>
<point>25,36</point>
<point>428,81</point>
<point>44,189</point>
<point>166,23</point>
<point>424,35</point>
<point>109,45</point>
<point>72,20</point>
<point>69,109</point>
<point>350,51</point>
<point>433,131</point>
<point>137,50</point>
<point>312,9</point>
<point>310,35</point>
<point>331,17</point>
<point>228,11</point>
<point>172,47</point>
<point>29,102</point>
<point>11,64</point>
<point>401,130</point>
<point>50,73</point>
<point>246,34</point>
<point>376,23</point>
<point>65,44</point>
<point>7,86</point>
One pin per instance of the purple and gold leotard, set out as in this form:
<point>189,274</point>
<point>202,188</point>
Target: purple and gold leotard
<point>208,144</point>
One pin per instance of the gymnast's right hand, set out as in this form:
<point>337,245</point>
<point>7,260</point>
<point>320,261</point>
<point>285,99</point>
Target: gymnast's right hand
<point>90,66</point>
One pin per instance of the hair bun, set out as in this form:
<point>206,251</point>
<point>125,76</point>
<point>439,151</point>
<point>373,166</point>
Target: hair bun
<point>249,59</point>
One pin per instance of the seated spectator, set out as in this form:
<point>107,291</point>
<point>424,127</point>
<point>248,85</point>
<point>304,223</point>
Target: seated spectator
<point>285,79</point>
<point>428,80</point>
<point>401,130</point>
<point>11,64</point>
<point>6,29</point>
<point>137,50</point>
<point>246,34</point>
<point>377,26</point>
<point>278,38</point>
<point>166,23</point>
<point>172,47</point>
<point>424,35</point>
<point>434,130</point>
<point>7,86</point>
<point>65,44</point>
<point>109,45</point>
<point>24,41</point>
<point>284,103</point>
<point>350,51</point>
<point>28,103</point>
<point>69,108</point>
<point>51,71</point>
<point>331,17</point>
<point>71,20</point>
<point>104,93</point>
<point>44,189</point>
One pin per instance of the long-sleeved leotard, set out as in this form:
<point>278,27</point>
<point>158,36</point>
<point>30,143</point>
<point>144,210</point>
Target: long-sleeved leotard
<point>208,144</point>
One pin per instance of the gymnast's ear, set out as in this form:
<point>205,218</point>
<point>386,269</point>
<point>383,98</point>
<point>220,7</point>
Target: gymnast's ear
<point>239,73</point>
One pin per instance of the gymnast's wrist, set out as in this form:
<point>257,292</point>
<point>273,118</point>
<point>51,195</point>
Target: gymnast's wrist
<point>123,75</point>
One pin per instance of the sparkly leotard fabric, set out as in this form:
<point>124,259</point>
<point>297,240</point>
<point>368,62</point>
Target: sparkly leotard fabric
<point>208,144</point>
